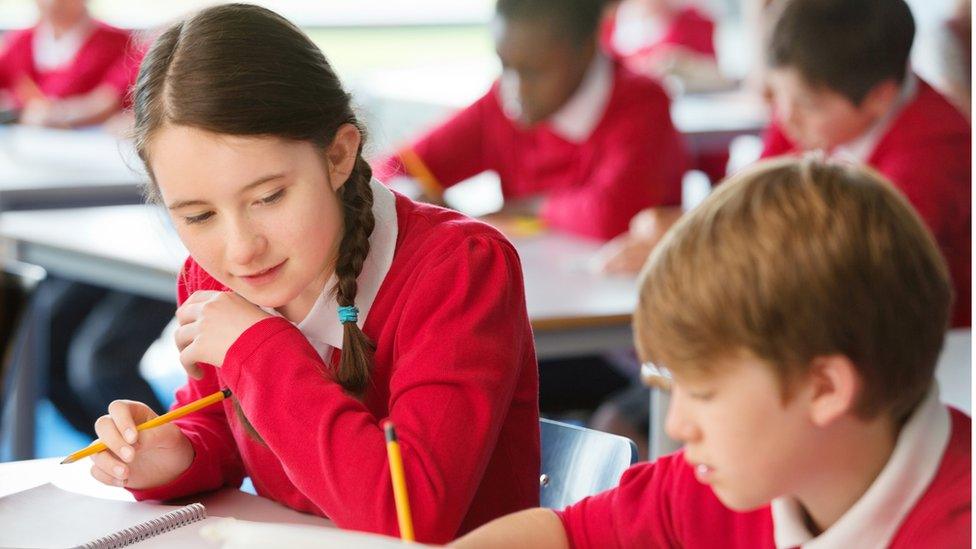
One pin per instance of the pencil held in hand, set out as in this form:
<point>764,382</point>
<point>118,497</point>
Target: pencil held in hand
<point>99,446</point>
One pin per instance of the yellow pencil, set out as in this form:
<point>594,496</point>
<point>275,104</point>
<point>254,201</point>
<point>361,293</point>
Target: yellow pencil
<point>98,446</point>
<point>399,483</point>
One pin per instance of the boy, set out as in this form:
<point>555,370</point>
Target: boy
<point>838,72</point>
<point>574,137</point>
<point>800,311</point>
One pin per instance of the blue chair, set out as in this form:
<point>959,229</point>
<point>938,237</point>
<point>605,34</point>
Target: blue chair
<point>579,462</point>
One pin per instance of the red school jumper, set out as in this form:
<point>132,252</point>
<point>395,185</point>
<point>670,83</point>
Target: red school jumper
<point>108,56</point>
<point>662,504</point>
<point>689,28</point>
<point>633,159</point>
<point>454,369</point>
<point>926,153</point>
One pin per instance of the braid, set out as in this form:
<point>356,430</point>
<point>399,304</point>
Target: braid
<point>357,213</point>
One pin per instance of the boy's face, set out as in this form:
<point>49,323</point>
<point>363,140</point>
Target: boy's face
<point>541,69</point>
<point>739,435</point>
<point>816,117</point>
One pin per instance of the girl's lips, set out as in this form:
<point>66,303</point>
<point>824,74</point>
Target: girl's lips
<point>263,277</point>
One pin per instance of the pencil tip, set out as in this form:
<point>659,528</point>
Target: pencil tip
<point>65,460</point>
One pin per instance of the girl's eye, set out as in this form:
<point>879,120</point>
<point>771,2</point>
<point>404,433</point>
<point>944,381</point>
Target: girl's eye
<point>274,197</point>
<point>191,219</point>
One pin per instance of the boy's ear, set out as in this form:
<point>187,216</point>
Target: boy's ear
<point>835,386</point>
<point>342,153</point>
<point>881,97</point>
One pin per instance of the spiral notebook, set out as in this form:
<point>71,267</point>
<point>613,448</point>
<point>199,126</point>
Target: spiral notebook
<point>47,516</point>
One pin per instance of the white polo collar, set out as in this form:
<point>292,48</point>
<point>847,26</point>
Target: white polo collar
<point>576,120</point>
<point>321,326</point>
<point>875,518</point>
<point>860,149</point>
<point>579,116</point>
<point>53,53</point>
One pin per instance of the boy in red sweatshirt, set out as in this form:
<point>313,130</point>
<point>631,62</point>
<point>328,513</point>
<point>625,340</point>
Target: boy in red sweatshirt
<point>798,313</point>
<point>575,137</point>
<point>838,71</point>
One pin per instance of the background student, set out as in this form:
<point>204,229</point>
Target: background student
<point>665,39</point>
<point>71,70</point>
<point>324,301</point>
<point>574,136</point>
<point>68,70</point>
<point>800,311</point>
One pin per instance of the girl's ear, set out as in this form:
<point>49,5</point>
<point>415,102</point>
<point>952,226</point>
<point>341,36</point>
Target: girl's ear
<point>342,153</point>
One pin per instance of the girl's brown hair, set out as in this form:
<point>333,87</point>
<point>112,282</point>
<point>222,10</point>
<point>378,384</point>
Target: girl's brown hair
<point>240,69</point>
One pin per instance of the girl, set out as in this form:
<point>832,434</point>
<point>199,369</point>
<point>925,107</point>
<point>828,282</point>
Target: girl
<point>324,301</point>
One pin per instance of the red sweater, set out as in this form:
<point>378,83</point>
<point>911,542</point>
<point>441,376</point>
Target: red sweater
<point>662,504</point>
<point>454,369</point>
<point>689,28</point>
<point>926,153</point>
<point>109,56</point>
<point>634,158</point>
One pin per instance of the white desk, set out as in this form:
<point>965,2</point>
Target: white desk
<point>573,310</point>
<point>46,168</point>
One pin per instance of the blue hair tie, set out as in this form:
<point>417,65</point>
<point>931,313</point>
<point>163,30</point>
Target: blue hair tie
<point>349,313</point>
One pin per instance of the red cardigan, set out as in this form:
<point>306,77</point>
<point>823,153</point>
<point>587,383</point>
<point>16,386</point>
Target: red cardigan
<point>662,504</point>
<point>454,369</point>
<point>634,159</point>
<point>109,56</point>
<point>926,153</point>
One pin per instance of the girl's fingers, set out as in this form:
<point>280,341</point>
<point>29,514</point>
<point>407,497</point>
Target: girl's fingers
<point>105,478</point>
<point>110,466</point>
<point>189,361</point>
<point>185,334</point>
<point>109,434</point>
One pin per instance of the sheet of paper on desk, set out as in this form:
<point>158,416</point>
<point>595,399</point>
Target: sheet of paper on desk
<point>242,534</point>
<point>47,516</point>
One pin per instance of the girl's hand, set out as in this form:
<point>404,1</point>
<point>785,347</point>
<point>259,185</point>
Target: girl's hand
<point>210,322</point>
<point>138,459</point>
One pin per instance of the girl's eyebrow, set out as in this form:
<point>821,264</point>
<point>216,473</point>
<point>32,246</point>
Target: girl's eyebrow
<point>264,179</point>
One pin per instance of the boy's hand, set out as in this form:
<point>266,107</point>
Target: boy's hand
<point>627,253</point>
<point>210,322</point>
<point>138,459</point>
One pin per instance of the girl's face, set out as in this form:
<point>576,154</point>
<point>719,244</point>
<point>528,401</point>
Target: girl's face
<point>259,214</point>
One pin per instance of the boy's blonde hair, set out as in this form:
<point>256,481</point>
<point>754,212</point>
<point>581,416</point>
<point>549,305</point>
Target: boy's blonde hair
<point>794,259</point>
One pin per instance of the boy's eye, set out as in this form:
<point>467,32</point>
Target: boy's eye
<point>273,197</point>
<point>200,218</point>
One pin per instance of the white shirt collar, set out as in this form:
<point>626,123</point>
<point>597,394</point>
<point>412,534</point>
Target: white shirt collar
<point>875,518</point>
<point>321,326</point>
<point>861,148</point>
<point>577,119</point>
<point>51,52</point>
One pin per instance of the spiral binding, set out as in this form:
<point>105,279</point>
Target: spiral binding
<point>170,521</point>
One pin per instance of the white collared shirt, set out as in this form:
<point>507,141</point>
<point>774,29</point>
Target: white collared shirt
<point>55,52</point>
<point>579,116</point>
<point>321,326</point>
<point>860,149</point>
<point>875,518</point>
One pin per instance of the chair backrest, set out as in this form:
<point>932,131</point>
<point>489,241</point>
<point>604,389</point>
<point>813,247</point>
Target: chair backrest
<point>579,462</point>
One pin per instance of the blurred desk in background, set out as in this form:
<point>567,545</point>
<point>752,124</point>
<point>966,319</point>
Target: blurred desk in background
<point>47,168</point>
